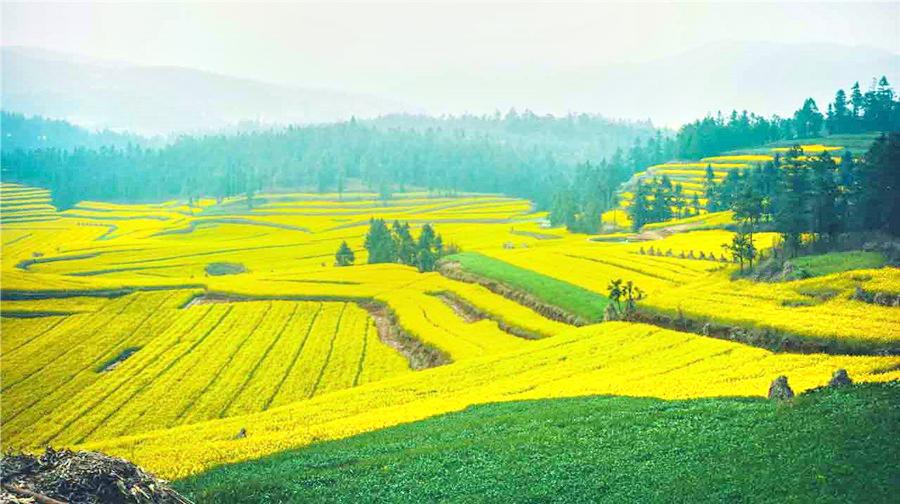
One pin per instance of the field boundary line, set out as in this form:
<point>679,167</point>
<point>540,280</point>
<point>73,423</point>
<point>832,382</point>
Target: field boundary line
<point>362,354</point>
<point>293,363</point>
<point>224,365</point>
<point>337,328</point>
<point>259,362</point>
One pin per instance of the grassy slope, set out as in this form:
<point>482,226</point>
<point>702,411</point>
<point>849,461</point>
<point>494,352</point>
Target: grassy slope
<point>831,445</point>
<point>857,143</point>
<point>837,262</point>
<point>572,298</point>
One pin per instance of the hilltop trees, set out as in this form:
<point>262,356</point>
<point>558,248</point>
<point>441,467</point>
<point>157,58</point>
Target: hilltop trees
<point>397,245</point>
<point>875,110</point>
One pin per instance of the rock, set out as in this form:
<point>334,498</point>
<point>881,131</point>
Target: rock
<point>81,477</point>
<point>780,390</point>
<point>839,379</point>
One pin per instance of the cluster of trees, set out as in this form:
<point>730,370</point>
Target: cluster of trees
<point>592,189</point>
<point>874,110</point>
<point>578,202</point>
<point>660,200</point>
<point>508,155</point>
<point>813,196</point>
<point>396,244</point>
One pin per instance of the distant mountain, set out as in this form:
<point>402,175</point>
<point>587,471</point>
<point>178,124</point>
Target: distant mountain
<point>154,100</point>
<point>765,78</point>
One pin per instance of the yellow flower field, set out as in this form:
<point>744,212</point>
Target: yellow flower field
<point>132,347</point>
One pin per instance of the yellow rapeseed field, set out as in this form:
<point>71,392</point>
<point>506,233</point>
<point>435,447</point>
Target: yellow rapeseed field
<point>133,347</point>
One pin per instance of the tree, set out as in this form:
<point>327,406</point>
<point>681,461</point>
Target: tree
<point>639,209</point>
<point>741,248</point>
<point>404,245</point>
<point>623,299</point>
<point>808,120</point>
<point>841,120</point>
<point>792,208</point>
<point>879,181</point>
<point>426,249</point>
<point>711,190</point>
<point>661,207</point>
<point>344,256</point>
<point>824,192</point>
<point>379,243</point>
<point>857,104</point>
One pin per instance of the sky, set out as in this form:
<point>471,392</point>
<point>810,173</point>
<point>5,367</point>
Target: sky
<point>420,52</point>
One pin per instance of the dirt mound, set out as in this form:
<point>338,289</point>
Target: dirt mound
<point>80,477</point>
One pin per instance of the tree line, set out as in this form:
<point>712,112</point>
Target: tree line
<point>516,154</point>
<point>875,110</point>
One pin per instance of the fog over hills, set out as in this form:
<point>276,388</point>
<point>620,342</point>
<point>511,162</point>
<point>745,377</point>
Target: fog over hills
<point>766,78</point>
<point>162,99</point>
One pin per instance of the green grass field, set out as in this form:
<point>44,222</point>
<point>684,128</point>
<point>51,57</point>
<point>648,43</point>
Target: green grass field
<point>837,262</point>
<point>827,446</point>
<point>572,298</point>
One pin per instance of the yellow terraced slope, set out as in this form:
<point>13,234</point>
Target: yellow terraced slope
<point>132,347</point>
<point>613,358</point>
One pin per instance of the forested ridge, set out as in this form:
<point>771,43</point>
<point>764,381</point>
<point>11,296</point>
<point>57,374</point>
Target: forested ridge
<point>517,154</point>
<point>592,190</point>
<point>572,165</point>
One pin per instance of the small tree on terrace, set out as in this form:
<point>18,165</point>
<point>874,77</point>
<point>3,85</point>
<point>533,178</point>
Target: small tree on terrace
<point>623,299</point>
<point>741,248</point>
<point>344,255</point>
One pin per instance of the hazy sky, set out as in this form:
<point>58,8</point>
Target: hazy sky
<point>411,50</point>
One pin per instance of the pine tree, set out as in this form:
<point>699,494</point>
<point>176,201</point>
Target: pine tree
<point>344,255</point>
<point>825,221</point>
<point>857,104</point>
<point>426,251</point>
<point>379,243</point>
<point>639,210</point>
<point>404,244</point>
<point>792,215</point>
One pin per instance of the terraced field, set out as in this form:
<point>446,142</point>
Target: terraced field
<point>20,203</point>
<point>115,336</point>
<point>144,362</point>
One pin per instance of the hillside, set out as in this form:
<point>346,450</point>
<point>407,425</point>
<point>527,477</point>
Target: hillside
<point>596,449</point>
<point>121,334</point>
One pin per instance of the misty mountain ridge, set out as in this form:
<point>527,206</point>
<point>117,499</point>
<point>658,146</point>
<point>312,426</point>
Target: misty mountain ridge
<point>152,100</point>
<point>761,77</point>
